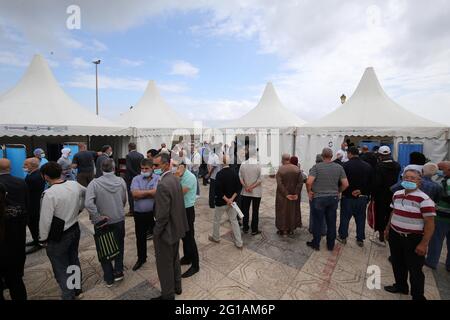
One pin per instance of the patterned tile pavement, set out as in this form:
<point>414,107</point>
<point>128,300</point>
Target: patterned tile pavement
<point>269,266</point>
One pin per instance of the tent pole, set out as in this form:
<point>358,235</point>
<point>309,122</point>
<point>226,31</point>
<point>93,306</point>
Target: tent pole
<point>295,141</point>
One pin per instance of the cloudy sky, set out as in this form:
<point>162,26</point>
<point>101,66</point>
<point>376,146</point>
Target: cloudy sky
<point>211,59</point>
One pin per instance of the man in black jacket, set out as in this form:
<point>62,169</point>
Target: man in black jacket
<point>36,185</point>
<point>133,169</point>
<point>386,175</point>
<point>12,247</point>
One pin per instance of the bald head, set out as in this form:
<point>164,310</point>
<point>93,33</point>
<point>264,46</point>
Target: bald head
<point>5,166</point>
<point>32,164</point>
<point>429,169</point>
<point>285,158</point>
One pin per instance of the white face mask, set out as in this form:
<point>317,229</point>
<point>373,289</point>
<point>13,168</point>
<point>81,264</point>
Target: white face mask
<point>42,155</point>
<point>146,174</point>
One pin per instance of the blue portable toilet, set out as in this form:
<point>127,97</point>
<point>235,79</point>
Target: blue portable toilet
<point>73,146</point>
<point>405,149</point>
<point>1,152</point>
<point>16,153</point>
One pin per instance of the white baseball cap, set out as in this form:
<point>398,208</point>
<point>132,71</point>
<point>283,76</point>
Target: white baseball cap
<point>384,150</point>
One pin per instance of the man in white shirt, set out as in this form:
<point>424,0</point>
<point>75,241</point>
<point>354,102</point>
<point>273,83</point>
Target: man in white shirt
<point>58,226</point>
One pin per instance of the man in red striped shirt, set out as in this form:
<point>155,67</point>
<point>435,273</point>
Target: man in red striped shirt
<point>409,232</point>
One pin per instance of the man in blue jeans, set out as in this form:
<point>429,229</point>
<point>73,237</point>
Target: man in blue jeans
<point>442,221</point>
<point>355,197</point>
<point>323,190</point>
<point>106,198</point>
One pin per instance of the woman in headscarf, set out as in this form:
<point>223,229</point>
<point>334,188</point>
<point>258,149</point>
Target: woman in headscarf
<point>298,212</point>
<point>66,164</point>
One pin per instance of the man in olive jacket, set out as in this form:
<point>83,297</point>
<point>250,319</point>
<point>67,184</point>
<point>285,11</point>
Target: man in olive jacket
<point>170,226</point>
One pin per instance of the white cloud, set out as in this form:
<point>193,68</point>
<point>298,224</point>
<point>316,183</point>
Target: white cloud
<point>184,68</point>
<point>80,63</point>
<point>131,63</point>
<point>11,59</point>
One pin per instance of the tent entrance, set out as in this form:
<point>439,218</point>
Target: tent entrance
<point>369,141</point>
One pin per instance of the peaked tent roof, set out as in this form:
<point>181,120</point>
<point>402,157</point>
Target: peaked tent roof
<point>268,113</point>
<point>38,106</point>
<point>370,110</point>
<point>152,112</point>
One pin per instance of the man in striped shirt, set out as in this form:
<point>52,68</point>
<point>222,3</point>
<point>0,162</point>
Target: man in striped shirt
<point>409,231</point>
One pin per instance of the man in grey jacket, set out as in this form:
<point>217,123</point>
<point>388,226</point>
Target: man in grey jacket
<point>106,198</point>
<point>170,226</point>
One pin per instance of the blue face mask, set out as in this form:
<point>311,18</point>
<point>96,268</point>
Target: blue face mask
<point>408,185</point>
<point>158,171</point>
<point>146,174</point>
<point>440,173</point>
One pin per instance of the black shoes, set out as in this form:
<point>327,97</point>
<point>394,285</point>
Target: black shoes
<point>185,261</point>
<point>254,233</point>
<point>118,277</point>
<point>178,291</point>
<point>190,272</point>
<point>310,244</point>
<point>245,231</point>
<point>138,265</point>
<point>395,289</point>
<point>149,236</point>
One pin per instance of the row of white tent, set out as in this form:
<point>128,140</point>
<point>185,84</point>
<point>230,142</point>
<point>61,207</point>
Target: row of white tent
<point>38,106</point>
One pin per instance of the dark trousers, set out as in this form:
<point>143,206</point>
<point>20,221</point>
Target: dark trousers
<point>189,245</point>
<point>353,207</point>
<point>143,221</point>
<point>84,178</point>
<point>324,208</point>
<point>130,197</point>
<point>63,254</point>
<point>33,224</point>
<point>13,280</point>
<point>168,267</point>
<point>405,260</point>
<point>212,185</point>
<point>109,270</point>
<point>245,206</point>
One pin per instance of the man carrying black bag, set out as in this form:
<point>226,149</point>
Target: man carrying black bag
<point>106,198</point>
<point>59,231</point>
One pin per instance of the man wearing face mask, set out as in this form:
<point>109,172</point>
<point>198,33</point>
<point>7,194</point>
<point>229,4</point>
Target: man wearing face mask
<point>189,184</point>
<point>66,164</point>
<point>36,186</point>
<point>40,155</point>
<point>409,232</point>
<point>143,189</point>
<point>170,226</point>
<point>442,220</point>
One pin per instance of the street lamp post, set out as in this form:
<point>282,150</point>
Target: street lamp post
<point>97,62</point>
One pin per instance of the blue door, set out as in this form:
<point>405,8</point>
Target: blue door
<point>369,143</point>
<point>16,153</point>
<point>405,149</point>
<point>1,153</point>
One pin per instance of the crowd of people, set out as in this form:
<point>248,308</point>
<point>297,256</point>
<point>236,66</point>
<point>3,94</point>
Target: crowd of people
<point>412,207</point>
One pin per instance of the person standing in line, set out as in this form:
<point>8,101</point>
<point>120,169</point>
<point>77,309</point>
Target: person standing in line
<point>105,155</point>
<point>59,230</point>
<point>143,190</point>
<point>36,186</point>
<point>304,177</point>
<point>84,162</point>
<point>170,226</point>
<point>40,155</point>
<point>66,164</point>
<point>189,184</point>
<point>106,198</point>
<point>14,203</point>
<point>133,168</point>
<point>214,167</point>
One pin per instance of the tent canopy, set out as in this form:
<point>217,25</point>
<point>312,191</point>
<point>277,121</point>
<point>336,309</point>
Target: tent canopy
<point>152,112</point>
<point>369,111</point>
<point>38,106</point>
<point>268,113</point>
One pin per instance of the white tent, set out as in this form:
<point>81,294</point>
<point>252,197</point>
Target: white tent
<point>269,114</point>
<point>370,113</point>
<point>37,106</point>
<point>154,121</point>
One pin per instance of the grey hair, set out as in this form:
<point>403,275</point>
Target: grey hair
<point>165,158</point>
<point>108,165</point>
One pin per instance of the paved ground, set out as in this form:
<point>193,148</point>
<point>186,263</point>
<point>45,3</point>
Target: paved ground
<point>269,267</point>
